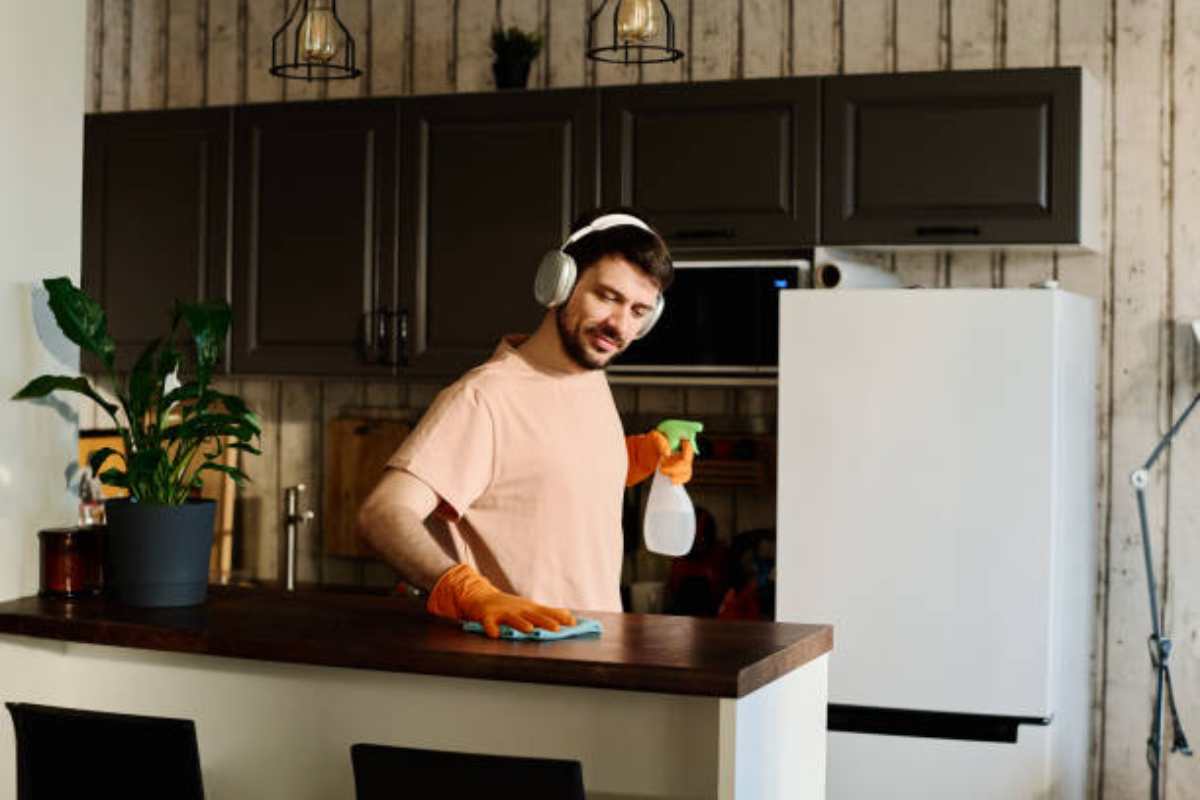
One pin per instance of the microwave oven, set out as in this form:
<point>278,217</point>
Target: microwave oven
<point>721,318</point>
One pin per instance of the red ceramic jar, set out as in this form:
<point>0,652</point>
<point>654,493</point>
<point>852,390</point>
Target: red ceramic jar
<point>72,561</point>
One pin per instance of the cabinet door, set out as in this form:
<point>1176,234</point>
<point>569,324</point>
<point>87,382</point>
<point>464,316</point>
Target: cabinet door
<point>952,158</point>
<point>155,204</point>
<point>717,166</point>
<point>491,182</point>
<point>314,254</point>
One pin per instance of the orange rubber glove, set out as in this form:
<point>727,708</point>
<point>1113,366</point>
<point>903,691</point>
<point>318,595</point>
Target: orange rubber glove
<point>463,594</point>
<point>650,451</point>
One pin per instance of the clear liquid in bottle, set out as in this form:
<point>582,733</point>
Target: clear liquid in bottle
<point>669,526</point>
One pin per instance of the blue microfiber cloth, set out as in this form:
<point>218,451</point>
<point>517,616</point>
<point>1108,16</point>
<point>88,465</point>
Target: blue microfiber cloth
<point>585,627</point>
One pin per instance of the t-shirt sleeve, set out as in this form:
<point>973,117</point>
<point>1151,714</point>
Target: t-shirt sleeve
<point>452,448</point>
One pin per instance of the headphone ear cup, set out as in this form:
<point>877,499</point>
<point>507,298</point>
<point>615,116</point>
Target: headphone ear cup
<point>654,315</point>
<point>555,279</point>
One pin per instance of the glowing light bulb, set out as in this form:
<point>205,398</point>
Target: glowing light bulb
<point>319,33</point>
<point>637,20</point>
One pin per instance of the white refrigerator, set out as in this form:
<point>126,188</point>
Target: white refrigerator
<point>937,506</point>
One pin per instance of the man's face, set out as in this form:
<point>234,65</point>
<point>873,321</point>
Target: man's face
<point>611,302</point>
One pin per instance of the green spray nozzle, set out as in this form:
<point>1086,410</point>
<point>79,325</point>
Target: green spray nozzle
<point>676,430</point>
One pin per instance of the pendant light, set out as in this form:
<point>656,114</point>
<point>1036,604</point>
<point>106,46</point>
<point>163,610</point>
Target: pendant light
<point>313,44</point>
<point>641,32</point>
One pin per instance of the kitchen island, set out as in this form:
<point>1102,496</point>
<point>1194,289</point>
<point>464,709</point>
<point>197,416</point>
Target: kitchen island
<point>281,684</point>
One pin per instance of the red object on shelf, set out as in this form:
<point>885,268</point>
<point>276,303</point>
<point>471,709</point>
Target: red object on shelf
<point>72,561</point>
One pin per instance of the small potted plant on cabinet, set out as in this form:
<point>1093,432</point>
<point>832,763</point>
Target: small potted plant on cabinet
<point>172,430</point>
<point>514,51</point>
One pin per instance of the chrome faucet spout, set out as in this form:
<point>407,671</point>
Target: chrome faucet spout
<point>292,519</point>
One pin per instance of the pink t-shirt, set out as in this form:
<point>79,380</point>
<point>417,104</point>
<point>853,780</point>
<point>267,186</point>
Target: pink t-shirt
<point>530,466</point>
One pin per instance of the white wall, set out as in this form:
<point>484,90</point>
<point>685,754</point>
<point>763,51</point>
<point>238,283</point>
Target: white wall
<point>41,163</point>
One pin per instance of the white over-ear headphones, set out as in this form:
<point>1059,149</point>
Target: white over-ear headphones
<point>557,272</point>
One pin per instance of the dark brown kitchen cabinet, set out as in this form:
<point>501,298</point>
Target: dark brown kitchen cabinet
<point>314,255</point>
<point>717,166</point>
<point>490,183</point>
<point>952,158</point>
<point>155,210</point>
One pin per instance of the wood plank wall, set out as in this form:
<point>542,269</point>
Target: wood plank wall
<point>1145,53</point>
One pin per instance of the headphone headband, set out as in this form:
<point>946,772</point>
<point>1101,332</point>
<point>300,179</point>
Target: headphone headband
<point>604,222</point>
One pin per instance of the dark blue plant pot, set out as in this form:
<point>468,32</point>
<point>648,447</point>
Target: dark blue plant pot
<point>157,556</point>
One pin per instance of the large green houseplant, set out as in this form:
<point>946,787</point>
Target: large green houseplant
<point>173,429</point>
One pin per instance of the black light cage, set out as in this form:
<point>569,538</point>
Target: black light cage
<point>625,53</point>
<point>289,65</point>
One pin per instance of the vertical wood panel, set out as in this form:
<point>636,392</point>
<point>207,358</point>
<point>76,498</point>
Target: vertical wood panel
<point>147,55</point>
<point>300,463</point>
<point>973,34</point>
<point>259,501</point>
<point>1085,38</point>
<point>868,36</point>
<point>389,48</point>
<point>1139,363</point>
<point>1182,619</point>
<point>919,38</point>
<point>764,38</point>
<point>263,18</point>
<point>355,14</point>
<point>225,65</point>
<point>432,46</point>
<point>187,43</point>
<point>528,16</point>
<point>94,56</point>
<point>816,37</point>
<point>565,61</point>
<point>973,46</point>
<point>386,394</point>
<point>714,40</point>
<point>473,67</point>
<point>114,85</point>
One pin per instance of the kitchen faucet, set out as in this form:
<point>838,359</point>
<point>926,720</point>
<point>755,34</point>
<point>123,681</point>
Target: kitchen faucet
<point>291,520</point>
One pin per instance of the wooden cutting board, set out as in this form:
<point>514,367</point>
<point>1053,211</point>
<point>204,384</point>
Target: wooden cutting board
<point>356,452</point>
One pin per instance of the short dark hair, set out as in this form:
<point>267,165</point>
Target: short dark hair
<point>644,249</point>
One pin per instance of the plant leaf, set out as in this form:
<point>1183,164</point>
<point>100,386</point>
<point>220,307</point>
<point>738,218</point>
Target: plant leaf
<point>44,385</point>
<point>209,324</point>
<point>97,459</point>
<point>115,477</point>
<point>80,318</point>
<point>239,477</point>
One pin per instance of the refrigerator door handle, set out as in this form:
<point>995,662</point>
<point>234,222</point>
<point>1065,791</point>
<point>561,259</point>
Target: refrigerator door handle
<point>928,724</point>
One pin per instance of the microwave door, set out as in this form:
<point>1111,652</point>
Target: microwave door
<point>719,318</point>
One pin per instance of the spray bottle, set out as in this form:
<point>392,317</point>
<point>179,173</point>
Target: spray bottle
<point>669,526</point>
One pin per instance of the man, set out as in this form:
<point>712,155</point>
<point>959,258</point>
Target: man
<point>505,500</point>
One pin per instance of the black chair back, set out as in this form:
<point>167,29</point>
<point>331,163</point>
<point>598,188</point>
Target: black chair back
<point>67,752</point>
<point>391,772</point>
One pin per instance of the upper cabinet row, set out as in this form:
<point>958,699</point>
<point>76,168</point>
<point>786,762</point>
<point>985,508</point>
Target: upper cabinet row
<point>361,237</point>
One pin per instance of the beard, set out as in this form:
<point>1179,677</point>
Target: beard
<point>574,341</point>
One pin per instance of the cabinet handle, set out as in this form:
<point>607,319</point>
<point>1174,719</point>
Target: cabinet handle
<point>704,233</point>
<point>374,341</point>
<point>381,334</point>
<point>363,343</point>
<point>948,230</point>
<point>397,340</point>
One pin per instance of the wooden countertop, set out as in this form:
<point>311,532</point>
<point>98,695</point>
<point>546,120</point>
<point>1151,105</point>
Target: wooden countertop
<point>638,652</point>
